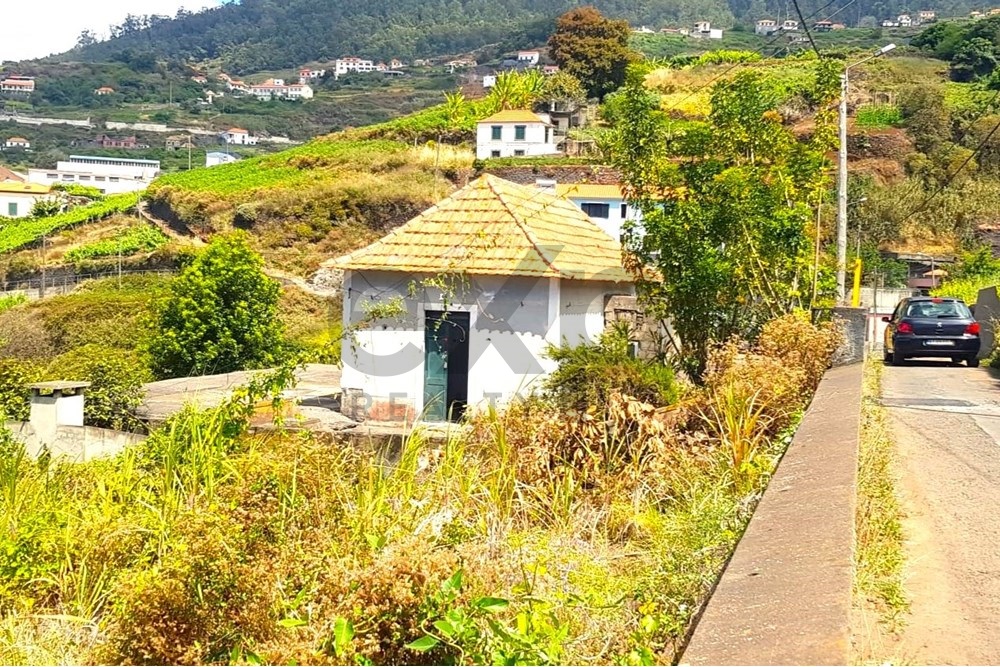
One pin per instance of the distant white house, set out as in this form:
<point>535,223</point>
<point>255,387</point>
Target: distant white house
<point>605,205</point>
<point>643,30</point>
<point>238,136</point>
<point>514,133</point>
<point>790,25</point>
<point>17,199</point>
<point>306,75</point>
<point>104,90</point>
<point>530,57</point>
<point>23,85</point>
<point>765,26</point>
<point>704,30</point>
<point>927,16</point>
<point>280,90</point>
<point>17,142</point>
<point>216,158</point>
<point>904,20</point>
<point>489,80</point>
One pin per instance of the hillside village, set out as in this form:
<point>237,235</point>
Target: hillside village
<point>547,365</point>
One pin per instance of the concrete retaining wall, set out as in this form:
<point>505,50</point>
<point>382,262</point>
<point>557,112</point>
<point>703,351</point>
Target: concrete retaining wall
<point>785,596</point>
<point>74,443</point>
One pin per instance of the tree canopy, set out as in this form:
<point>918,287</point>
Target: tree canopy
<point>592,48</point>
<point>221,314</point>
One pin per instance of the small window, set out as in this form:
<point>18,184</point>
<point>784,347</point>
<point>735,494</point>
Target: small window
<point>494,153</point>
<point>113,179</point>
<point>519,132</point>
<point>98,178</point>
<point>518,153</point>
<point>624,211</point>
<point>68,177</point>
<point>547,134</point>
<point>496,132</point>
<point>12,209</point>
<point>51,175</point>
<point>597,210</point>
<point>84,178</point>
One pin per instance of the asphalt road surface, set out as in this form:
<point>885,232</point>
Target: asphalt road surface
<point>946,422</point>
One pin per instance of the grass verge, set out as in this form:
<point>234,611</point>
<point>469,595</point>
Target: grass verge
<point>878,553</point>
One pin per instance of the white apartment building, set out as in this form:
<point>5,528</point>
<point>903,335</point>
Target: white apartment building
<point>109,175</point>
<point>530,57</point>
<point>351,64</point>
<point>514,133</point>
<point>278,89</point>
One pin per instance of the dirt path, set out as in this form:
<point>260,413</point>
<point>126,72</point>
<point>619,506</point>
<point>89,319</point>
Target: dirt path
<point>946,424</point>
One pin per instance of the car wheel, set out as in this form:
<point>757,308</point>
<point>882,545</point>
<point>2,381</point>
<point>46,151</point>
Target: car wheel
<point>897,358</point>
<point>972,361</point>
<point>887,356</point>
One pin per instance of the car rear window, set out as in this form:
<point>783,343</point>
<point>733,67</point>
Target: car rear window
<point>932,309</point>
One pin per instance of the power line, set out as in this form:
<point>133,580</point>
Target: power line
<point>805,26</point>
<point>922,206</point>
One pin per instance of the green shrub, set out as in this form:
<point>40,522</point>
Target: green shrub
<point>15,397</point>
<point>589,373</point>
<point>8,302</point>
<point>116,378</point>
<point>142,238</point>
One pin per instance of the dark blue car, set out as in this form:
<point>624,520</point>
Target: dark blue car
<point>923,326</point>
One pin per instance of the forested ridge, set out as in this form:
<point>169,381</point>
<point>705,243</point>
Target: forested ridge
<point>255,35</point>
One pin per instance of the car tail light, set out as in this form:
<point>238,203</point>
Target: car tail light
<point>904,328</point>
<point>972,329</point>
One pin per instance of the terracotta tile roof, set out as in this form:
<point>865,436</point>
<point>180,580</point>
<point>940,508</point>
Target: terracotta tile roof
<point>514,116</point>
<point>17,140</point>
<point>589,191</point>
<point>495,227</point>
<point>6,175</point>
<point>24,188</point>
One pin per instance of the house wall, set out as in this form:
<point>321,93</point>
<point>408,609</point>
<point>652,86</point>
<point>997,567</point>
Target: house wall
<point>512,322</point>
<point>76,444</point>
<point>614,224</point>
<point>534,140</point>
<point>22,201</point>
<point>111,185</point>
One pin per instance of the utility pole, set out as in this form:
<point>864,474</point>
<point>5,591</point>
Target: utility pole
<point>842,193</point>
<point>842,178</point>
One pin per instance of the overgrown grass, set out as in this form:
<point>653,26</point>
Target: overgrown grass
<point>8,302</point>
<point>966,289</point>
<point>879,553</point>
<point>140,238</point>
<point>531,537</point>
<point>878,116</point>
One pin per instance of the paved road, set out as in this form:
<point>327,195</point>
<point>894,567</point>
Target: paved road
<point>946,422</point>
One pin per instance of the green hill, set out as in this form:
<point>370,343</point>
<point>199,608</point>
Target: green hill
<point>255,35</point>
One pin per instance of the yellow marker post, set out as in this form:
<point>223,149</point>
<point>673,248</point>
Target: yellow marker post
<point>856,294</point>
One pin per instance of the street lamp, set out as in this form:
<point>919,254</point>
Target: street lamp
<point>842,176</point>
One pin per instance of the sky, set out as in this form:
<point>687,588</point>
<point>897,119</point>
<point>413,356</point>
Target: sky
<point>59,22</point>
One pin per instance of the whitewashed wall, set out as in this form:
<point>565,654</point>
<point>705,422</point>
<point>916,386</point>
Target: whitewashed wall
<point>512,323</point>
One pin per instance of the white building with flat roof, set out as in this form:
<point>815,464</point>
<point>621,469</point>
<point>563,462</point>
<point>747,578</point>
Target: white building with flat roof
<point>108,174</point>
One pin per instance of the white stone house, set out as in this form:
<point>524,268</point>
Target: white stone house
<point>515,133</point>
<point>765,26</point>
<point>17,199</point>
<point>215,158</point>
<point>17,142</point>
<point>239,136</point>
<point>605,205</point>
<point>514,271</point>
<point>530,57</point>
<point>18,85</point>
<point>927,16</point>
<point>790,25</point>
<point>904,20</point>
<point>352,64</point>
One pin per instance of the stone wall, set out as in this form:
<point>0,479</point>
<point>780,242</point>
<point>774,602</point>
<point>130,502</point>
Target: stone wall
<point>853,323</point>
<point>570,173</point>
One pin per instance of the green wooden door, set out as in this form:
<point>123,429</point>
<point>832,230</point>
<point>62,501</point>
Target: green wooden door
<point>435,366</point>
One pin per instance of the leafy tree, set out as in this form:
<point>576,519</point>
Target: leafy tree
<point>15,397</point>
<point>975,58</point>
<point>116,378</point>
<point>726,205</point>
<point>979,263</point>
<point>592,48</point>
<point>221,314</point>
<point>926,116</point>
<point>564,88</point>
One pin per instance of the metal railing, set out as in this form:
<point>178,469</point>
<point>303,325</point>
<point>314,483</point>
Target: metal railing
<point>36,288</point>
